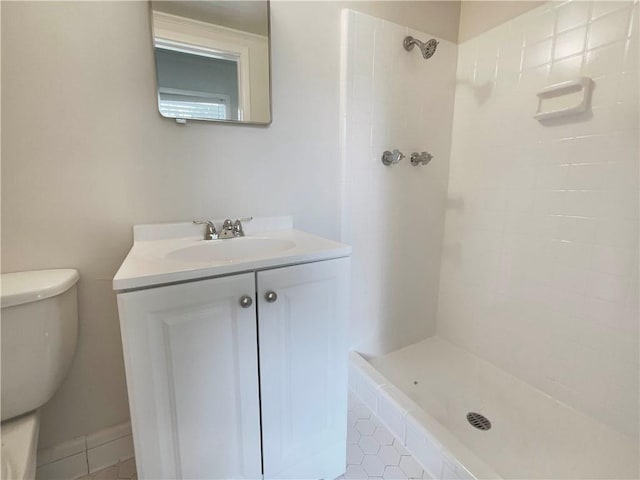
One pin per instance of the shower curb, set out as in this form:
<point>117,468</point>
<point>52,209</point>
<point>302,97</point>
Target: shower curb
<point>425,438</point>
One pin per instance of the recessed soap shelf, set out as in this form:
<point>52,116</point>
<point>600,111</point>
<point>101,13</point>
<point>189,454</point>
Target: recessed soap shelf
<point>564,99</point>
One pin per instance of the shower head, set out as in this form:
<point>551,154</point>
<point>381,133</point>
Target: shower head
<point>427,48</point>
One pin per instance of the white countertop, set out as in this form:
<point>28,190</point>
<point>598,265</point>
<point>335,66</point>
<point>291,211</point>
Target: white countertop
<point>147,264</point>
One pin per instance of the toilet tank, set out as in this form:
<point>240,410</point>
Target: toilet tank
<point>39,324</point>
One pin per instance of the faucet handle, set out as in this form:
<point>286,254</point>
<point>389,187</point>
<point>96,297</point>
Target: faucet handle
<point>237,226</point>
<point>210,231</point>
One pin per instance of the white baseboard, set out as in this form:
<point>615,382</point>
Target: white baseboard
<point>110,453</point>
<point>87,454</point>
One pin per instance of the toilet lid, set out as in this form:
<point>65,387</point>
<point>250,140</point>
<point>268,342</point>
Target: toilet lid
<point>23,287</point>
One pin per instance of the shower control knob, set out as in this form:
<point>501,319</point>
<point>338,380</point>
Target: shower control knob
<point>271,296</point>
<point>246,301</point>
<point>389,158</point>
<point>420,158</point>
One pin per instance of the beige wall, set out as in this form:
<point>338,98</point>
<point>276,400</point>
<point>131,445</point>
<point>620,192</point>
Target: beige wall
<point>85,155</point>
<point>438,18</point>
<point>478,16</point>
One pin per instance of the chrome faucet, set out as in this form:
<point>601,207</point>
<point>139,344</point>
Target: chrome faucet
<point>210,232</point>
<point>227,229</point>
<point>233,229</point>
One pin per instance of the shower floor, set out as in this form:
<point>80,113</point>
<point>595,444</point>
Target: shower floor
<point>532,435</point>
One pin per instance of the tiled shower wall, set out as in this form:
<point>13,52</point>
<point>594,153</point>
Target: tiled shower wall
<point>393,216</point>
<point>540,256</point>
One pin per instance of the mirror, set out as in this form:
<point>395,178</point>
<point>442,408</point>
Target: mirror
<point>212,60</point>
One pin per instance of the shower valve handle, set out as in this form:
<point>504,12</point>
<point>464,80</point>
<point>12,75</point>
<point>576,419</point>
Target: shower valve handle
<point>420,158</point>
<point>389,158</point>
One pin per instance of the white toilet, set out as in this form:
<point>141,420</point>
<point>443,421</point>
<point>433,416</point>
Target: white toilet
<point>39,334</point>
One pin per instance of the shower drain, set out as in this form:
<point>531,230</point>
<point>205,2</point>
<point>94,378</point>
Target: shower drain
<point>478,420</point>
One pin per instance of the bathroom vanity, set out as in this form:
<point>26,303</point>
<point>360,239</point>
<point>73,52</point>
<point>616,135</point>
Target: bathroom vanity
<point>235,352</point>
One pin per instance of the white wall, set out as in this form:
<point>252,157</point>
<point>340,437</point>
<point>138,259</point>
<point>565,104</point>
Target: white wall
<point>394,215</point>
<point>85,155</point>
<point>540,254</point>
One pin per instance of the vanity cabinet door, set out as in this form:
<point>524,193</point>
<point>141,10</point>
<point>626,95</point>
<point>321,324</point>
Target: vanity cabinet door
<point>303,369</point>
<point>192,376</point>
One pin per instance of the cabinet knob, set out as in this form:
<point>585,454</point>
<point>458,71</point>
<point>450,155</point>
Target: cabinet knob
<point>246,301</point>
<point>271,296</point>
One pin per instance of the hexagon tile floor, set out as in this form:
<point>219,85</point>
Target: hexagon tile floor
<point>372,452</point>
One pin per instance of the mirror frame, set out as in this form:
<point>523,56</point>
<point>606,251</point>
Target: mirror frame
<point>228,122</point>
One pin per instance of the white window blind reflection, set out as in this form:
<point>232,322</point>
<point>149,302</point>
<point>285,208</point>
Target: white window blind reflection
<point>189,104</point>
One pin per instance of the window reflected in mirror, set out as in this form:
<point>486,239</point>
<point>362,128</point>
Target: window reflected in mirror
<point>212,60</point>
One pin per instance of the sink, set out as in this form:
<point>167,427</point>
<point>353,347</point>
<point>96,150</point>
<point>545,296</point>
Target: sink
<point>230,250</point>
<point>177,252</point>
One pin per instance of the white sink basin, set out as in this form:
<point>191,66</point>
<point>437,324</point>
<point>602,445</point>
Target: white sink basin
<point>177,252</point>
<point>230,250</point>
